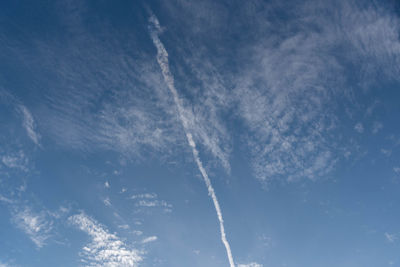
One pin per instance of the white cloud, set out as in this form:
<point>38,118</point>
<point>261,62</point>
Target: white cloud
<point>128,127</point>
<point>390,237</point>
<point>359,127</point>
<point>396,170</point>
<point>36,225</point>
<point>149,239</point>
<point>291,77</point>
<point>146,196</point>
<point>373,33</point>
<point>16,160</point>
<point>125,109</point>
<point>107,184</point>
<point>6,200</point>
<point>105,249</point>
<point>107,201</point>
<point>294,85</point>
<point>284,102</point>
<point>124,226</point>
<point>60,213</point>
<point>29,124</point>
<point>154,203</point>
<point>150,200</point>
<point>137,232</point>
<point>290,85</point>
<point>252,264</point>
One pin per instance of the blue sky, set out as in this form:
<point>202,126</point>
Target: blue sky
<point>200,133</point>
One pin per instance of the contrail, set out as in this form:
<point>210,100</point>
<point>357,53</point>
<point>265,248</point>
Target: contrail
<point>162,59</point>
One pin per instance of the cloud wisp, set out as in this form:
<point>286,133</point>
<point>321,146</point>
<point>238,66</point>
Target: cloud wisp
<point>150,200</point>
<point>106,249</point>
<point>252,264</point>
<point>35,225</point>
<point>162,59</point>
<point>29,124</point>
<point>149,239</point>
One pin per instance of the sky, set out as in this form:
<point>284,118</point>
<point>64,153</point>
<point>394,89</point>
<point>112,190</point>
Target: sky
<point>200,133</point>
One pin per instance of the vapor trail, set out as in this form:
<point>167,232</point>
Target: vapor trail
<point>162,59</point>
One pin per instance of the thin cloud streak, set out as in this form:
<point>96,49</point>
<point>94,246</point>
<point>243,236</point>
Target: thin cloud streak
<point>29,124</point>
<point>162,59</point>
<point>149,239</point>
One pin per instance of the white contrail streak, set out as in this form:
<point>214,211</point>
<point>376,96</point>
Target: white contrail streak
<point>162,59</point>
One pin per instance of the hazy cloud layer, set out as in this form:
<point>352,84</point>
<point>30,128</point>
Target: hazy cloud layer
<point>284,83</point>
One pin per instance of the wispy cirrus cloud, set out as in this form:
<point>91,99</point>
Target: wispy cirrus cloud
<point>291,95</point>
<point>16,106</point>
<point>144,196</point>
<point>126,121</point>
<point>283,104</point>
<point>17,160</point>
<point>151,200</point>
<point>372,31</point>
<point>252,264</point>
<point>37,222</point>
<point>29,124</point>
<point>281,81</point>
<point>391,237</point>
<point>6,200</point>
<point>291,75</point>
<point>149,239</point>
<point>359,128</point>
<point>105,249</point>
<point>107,202</point>
<point>36,225</point>
<point>101,94</point>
